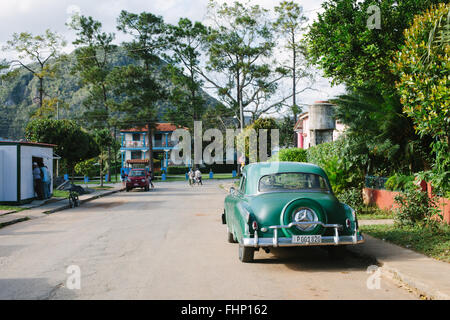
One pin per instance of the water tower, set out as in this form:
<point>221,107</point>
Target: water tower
<point>322,122</point>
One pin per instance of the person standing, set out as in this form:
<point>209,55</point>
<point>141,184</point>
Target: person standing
<point>46,180</point>
<point>37,179</point>
<point>198,176</point>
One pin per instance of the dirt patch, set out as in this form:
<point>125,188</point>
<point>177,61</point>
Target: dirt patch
<point>106,205</point>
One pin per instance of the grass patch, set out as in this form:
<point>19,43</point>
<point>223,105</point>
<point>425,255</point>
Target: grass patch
<point>373,213</point>
<point>433,243</point>
<point>11,208</point>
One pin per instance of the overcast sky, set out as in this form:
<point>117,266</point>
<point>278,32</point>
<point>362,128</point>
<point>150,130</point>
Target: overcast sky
<point>36,16</point>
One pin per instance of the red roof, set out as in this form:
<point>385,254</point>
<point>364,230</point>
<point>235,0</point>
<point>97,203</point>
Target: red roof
<point>162,126</point>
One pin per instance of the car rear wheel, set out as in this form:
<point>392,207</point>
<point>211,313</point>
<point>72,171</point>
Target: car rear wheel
<point>231,237</point>
<point>246,254</point>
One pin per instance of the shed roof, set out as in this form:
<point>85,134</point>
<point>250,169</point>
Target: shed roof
<point>28,143</point>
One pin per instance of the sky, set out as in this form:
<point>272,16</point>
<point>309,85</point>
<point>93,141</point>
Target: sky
<point>36,16</point>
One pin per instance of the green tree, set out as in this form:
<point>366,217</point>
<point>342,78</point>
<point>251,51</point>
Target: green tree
<point>93,54</point>
<point>104,140</point>
<point>143,92</point>
<point>290,23</point>
<point>185,41</point>
<point>349,52</point>
<point>35,54</point>
<point>239,49</point>
<point>423,66</point>
<point>73,143</point>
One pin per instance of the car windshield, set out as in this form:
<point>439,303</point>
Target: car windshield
<point>292,181</point>
<point>137,173</point>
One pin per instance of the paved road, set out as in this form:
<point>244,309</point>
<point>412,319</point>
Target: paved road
<point>166,244</point>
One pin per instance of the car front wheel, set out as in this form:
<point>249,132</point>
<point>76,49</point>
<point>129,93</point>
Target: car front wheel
<point>246,254</point>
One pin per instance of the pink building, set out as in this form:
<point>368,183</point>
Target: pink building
<point>318,125</point>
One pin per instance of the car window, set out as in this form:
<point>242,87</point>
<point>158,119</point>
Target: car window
<point>292,181</point>
<point>137,173</point>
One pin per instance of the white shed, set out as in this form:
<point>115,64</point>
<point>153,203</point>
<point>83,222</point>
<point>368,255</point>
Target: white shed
<point>16,169</point>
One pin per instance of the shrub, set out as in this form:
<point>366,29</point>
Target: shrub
<point>399,182</point>
<point>177,170</point>
<point>352,197</point>
<point>415,207</point>
<point>292,154</point>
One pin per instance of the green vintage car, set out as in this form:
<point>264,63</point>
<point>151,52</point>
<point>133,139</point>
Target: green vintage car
<point>286,204</point>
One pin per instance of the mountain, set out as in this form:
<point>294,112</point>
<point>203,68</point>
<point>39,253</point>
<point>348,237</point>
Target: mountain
<point>18,92</point>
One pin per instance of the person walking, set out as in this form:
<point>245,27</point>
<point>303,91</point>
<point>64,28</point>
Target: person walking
<point>37,179</point>
<point>191,176</point>
<point>198,176</point>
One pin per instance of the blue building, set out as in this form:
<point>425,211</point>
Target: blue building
<point>135,142</point>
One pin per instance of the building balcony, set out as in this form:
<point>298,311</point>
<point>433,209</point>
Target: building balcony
<point>130,144</point>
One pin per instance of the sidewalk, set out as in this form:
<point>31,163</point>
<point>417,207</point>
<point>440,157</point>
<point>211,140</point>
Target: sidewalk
<point>38,209</point>
<point>424,275</point>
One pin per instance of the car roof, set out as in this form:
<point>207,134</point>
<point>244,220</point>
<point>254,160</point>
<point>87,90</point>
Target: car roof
<point>255,171</point>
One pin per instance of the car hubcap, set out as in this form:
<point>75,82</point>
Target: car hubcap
<point>305,215</point>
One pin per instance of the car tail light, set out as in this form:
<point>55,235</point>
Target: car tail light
<point>347,223</point>
<point>255,225</point>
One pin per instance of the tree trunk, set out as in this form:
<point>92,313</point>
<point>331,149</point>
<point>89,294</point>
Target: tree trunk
<point>41,92</point>
<point>101,172</point>
<point>150,149</point>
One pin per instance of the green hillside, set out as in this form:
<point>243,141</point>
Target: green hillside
<point>17,93</point>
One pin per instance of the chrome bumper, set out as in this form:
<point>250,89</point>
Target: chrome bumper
<point>335,240</point>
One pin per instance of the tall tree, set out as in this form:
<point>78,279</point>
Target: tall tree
<point>186,96</point>
<point>143,90</point>
<point>239,49</point>
<point>35,54</point>
<point>290,23</point>
<point>104,139</point>
<point>93,54</point>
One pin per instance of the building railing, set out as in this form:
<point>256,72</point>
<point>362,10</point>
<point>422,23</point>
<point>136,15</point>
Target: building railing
<point>132,144</point>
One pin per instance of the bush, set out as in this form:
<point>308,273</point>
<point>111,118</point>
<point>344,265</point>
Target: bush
<point>292,154</point>
<point>399,182</point>
<point>415,207</point>
<point>88,168</point>
<point>177,170</point>
<point>352,197</point>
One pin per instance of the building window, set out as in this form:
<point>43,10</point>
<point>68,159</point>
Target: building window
<point>136,155</point>
<point>136,137</point>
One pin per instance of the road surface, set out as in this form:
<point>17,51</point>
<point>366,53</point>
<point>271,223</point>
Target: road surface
<point>168,243</point>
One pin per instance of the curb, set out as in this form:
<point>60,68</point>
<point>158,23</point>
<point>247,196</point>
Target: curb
<point>421,289</point>
<point>62,208</point>
<point>84,201</point>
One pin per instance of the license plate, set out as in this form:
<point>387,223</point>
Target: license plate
<point>136,184</point>
<point>306,239</point>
